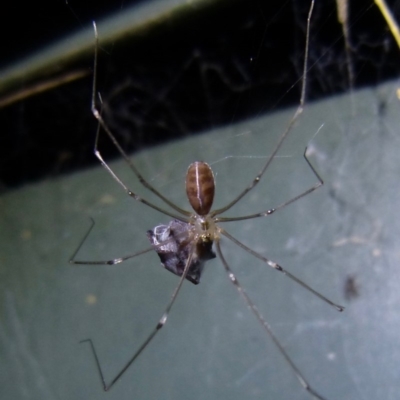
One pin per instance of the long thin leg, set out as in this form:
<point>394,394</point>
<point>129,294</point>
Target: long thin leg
<point>127,190</point>
<point>270,211</point>
<point>113,261</point>
<point>266,326</point>
<point>102,123</point>
<point>160,324</point>
<point>108,262</point>
<point>277,267</point>
<point>285,133</point>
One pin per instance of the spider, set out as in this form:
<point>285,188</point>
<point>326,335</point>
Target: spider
<point>186,243</point>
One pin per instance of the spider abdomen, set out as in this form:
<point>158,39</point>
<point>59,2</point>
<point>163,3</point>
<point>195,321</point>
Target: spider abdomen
<point>200,187</point>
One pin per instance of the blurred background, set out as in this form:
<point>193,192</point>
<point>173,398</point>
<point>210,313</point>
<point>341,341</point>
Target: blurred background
<point>168,70</point>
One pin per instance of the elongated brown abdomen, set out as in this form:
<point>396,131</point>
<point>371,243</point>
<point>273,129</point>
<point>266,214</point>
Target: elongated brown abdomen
<point>200,187</point>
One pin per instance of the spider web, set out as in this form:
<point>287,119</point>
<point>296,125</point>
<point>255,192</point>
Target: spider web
<point>184,79</point>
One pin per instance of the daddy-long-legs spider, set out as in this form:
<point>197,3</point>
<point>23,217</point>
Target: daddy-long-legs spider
<point>185,243</point>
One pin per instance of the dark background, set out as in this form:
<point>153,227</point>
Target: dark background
<point>229,63</point>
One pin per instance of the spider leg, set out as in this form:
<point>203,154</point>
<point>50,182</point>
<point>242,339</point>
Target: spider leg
<point>283,136</point>
<point>118,260</point>
<point>158,327</point>
<point>265,325</point>
<point>270,211</point>
<point>107,262</point>
<point>277,267</point>
<point>98,115</point>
